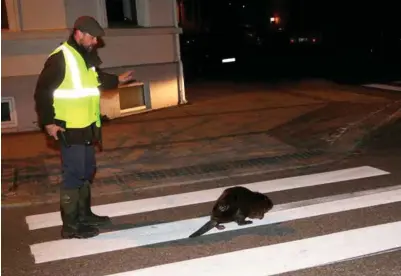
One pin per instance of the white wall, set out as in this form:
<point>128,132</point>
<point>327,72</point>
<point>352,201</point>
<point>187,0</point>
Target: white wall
<point>45,22</point>
<point>161,13</point>
<point>86,7</point>
<point>25,15</point>
<point>25,54</point>
<point>42,14</point>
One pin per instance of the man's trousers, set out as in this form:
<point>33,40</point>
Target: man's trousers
<point>78,165</point>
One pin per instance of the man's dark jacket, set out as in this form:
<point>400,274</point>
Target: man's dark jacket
<point>49,80</point>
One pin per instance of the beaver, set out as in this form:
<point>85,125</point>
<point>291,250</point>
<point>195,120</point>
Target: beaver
<point>236,204</point>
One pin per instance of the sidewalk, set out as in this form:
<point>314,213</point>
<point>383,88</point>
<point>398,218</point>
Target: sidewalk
<point>225,131</point>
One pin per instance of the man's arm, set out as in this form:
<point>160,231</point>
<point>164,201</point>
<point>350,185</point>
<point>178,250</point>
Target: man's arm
<point>49,79</point>
<point>107,81</point>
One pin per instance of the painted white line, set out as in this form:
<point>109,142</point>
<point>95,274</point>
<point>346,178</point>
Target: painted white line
<point>383,86</point>
<point>286,257</point>
<point>165,232</point>
<point>177,200</point>
<point>228,60</point>
<point>313,201</point>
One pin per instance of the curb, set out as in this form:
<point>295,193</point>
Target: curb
<point>327,160</point>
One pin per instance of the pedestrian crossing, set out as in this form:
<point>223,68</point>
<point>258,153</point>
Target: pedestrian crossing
<point>286,257</point>
<point>172,201</point>
<point>392,86</point>
<point>259,259</point>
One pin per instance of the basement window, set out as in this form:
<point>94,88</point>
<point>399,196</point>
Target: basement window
<point>8,113</point>
<point>132,98</point>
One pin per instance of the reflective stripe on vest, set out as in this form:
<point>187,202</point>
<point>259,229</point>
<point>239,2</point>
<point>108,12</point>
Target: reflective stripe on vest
<point>75,93</point>
<point>78,91</point>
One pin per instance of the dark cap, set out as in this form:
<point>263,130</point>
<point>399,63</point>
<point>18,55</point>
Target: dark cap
<point>88,25</point>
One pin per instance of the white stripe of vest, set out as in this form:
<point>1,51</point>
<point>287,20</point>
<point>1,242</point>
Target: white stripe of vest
<point>78,91</point>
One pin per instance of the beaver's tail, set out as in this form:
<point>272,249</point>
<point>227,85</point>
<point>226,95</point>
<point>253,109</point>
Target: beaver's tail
<point>205,228</point>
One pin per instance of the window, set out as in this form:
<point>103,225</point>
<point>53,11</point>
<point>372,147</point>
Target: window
<point>131,98</point>
<point>121,13</point>
<point>8,112</point>
<point>4,18</point>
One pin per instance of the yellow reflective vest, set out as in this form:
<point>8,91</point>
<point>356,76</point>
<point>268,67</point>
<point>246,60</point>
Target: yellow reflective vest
<point>77,99</point>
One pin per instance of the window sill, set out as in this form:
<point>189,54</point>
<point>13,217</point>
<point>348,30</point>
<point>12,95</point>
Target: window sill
<point>110,32</point>
<point>132,84</point>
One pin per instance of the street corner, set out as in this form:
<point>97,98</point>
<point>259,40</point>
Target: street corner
<point>26,185</point>
<point>351,137</point>
<point>9,176</point>
<point>18,198</point>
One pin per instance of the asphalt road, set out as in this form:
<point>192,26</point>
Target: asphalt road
<point>286,238</point>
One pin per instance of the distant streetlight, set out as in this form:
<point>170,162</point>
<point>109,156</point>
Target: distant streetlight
<point>275,19</point>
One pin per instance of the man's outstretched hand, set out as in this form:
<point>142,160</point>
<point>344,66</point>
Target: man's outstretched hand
<point>125,77</point>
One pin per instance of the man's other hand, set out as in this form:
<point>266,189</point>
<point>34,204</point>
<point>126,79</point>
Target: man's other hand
<point>53,129</point>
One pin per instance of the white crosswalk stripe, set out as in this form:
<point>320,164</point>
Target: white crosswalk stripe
<point>157,203</point>
<point>392,86</point>
<point>282,257</point>
<point>286,257</point>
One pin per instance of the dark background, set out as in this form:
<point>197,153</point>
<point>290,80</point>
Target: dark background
<point>349,41</point>
<point>355,41</point>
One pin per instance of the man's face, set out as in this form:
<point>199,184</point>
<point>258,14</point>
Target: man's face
<point>86,40</point>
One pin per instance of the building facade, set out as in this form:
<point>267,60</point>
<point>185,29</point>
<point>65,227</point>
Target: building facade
<point>141,35</point>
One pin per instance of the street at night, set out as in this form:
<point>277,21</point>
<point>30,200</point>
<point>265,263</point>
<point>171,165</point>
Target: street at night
<point>331,217</point>
<point>144,112</point>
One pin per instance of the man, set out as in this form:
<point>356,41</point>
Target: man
<point>68,101</point>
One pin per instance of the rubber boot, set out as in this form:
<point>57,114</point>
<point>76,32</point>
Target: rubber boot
<point>69,199</point>
<point>86,217</point>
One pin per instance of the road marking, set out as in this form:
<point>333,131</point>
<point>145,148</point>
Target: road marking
<point>165,232</point>
<point>228,60</point>
<point>383,86</point>
<point>177,200</point>
<point>313,201</point>
<point>288,256</point>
